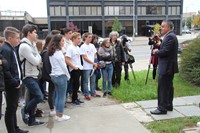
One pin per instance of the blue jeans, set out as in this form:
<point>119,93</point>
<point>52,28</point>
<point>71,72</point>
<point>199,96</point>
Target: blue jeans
<point>60,83</point>
<point>35,96</point>
<point>86,75</point>
<point>107,71</point>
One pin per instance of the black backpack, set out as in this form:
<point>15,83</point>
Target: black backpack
<point>19,61</point>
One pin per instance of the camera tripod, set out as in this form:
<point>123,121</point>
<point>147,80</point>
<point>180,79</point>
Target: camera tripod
<point>131,66</point>
<point>149,66</point>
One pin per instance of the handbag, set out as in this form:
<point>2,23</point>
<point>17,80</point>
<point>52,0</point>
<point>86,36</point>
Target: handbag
<point>131,58</point>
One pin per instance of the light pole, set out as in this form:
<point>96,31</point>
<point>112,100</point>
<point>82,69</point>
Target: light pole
<point>133,20</point>
<point>185,27</point>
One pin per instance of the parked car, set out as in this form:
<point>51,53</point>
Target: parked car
<point>182,46</point>
<point>186,32</point>
<point>100,40</point>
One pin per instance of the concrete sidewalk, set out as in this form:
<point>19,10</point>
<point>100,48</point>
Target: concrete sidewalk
<point>99,115</point>
<point>104,115</point>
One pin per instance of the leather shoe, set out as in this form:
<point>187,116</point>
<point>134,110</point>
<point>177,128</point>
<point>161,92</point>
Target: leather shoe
<point>21,131</point>
<point>169,108</point>
<point>158,112</point>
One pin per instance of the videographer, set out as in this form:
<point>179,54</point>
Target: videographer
<point>155,42</point>
<point>127,49</point>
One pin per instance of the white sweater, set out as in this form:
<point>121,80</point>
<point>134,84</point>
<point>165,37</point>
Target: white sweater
<point>29,51</point>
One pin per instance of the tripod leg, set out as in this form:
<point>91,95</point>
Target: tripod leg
<point>147,75</point>
<point>132,70</point>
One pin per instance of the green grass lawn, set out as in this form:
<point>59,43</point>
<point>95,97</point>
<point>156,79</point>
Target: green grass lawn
<point>173,125</point>
<point>137,90</point>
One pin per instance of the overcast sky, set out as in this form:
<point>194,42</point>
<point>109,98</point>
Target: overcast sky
<point>37,8</point>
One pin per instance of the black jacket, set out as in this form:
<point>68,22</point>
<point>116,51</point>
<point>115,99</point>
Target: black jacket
<point>167,55</point>
<point>119,51</point>
<point>11,74</point>
<point>46,68</point>
<point>2,70</point>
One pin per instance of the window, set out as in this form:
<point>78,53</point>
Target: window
<point>52,11</point>
<point>128,10</point>
<point>88,11</point>
<point>57,11</point>
<point>63,11</point>
<point>122,10</point>
<point>82,10</point>
<point>98,10</point>
<point>94,10</point>
<point>155,10</point>
<point>174,10</point>
<point>116,10</point>
<point>76,11</point>
<point>70,11</point>
<point>111,10</point>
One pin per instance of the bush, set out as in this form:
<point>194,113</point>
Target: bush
<point>190,62</point>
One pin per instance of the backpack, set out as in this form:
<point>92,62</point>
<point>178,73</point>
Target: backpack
<point>19,61</point>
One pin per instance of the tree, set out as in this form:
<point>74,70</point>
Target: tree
<point>116,25</point>
<point>189,22</point>
<point>196,20</point>
<point>73,27</point>
<point>190,62</point>
<point>156,28</point>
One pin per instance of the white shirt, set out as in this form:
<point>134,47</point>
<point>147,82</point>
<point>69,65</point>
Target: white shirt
<point>74,52</point>
<point>66,45</point>
<point>89,50</point>
<point>58,65</point>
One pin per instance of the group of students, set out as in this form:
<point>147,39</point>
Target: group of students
<point>68,61</point>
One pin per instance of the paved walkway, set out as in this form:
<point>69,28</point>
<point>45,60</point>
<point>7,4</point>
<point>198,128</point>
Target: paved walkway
<point>104,115</point>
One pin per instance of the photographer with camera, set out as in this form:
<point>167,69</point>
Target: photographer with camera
<point>155,42</point>
<point>127,49</point>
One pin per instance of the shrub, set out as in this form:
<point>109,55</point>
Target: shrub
<point>190,62</point>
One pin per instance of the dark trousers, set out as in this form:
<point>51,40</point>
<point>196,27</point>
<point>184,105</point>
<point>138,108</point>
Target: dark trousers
<point>35,97</point>
<point>126,77</point>
<point>51,95</point>
<point>75,75</point>
<point>12,96</point>
<point>154,71</point>
<point>116,78</point>
<point>1,97</point>
<point>165,91</point>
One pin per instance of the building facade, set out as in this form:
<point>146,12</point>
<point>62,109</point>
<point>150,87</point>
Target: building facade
<point>136,16</point>
<point>18,19</point>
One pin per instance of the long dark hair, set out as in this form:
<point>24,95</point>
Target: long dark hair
<point>93,38</point>
<point>47,41</point>
<point>54,44</point>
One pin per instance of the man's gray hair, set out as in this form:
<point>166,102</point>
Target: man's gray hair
<point>113,33</point>
<point>169,23</point>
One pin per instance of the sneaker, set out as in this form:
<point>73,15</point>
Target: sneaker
<point>63,118</point>
<point>76,102</point>
<point>52,113</point>
<point>104,94</point>
<point>39,111</point>
<point>110,93</point>
<point>80,101</point>
<point>36,123</point>
<point>25,116</point>
<point>21,102</point>
<point>18,130</point>
<point>96,95</point>
<point>87,97</point>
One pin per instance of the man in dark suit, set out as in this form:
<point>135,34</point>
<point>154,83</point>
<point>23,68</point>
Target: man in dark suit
<point>168,66</point>
<point>12,79</point>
